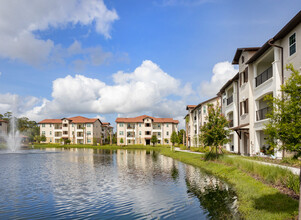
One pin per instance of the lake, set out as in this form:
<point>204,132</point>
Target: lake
<point>108,184</point>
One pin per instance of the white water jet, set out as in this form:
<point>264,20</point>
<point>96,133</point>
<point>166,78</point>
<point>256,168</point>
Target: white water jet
<point>13,138</point>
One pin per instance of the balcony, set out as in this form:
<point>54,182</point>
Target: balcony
<point>58,134</point>
<point>264,76</point>
<point>156,127</point>
<point>130,135</point>
<point>262,113</point>
<point>130,127</point>
<point>230,100</point>
<point>80,134</point>
<point>57,127</point>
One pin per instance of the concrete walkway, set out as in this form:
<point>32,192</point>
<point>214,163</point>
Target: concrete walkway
<point>294,170</point>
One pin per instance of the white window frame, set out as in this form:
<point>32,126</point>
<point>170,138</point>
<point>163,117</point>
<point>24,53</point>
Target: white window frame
<point>289,45</point>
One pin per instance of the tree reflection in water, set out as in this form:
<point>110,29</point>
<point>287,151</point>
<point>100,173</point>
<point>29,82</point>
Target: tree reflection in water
<point>215,196</point>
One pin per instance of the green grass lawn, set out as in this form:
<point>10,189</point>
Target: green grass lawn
<point>256,200</point>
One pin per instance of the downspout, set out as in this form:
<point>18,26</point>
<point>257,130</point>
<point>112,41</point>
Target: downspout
<point>238,113</point>
<point>282,72</point>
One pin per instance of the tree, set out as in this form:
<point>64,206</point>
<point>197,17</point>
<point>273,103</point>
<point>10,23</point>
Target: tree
<point>284,125</point>
<point>174,138</point>
<point>181,135</point>
<point>154,139</point>
<point>121,141</point>
<point>215,133</point>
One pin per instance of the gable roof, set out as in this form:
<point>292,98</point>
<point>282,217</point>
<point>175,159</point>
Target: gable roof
<point>142,117</point>
<point>282,33</point>
<point>236,77</point>
<point>239,52</point>
<point>202,103</point>
<point>77,119</point>
<point>190,106</point>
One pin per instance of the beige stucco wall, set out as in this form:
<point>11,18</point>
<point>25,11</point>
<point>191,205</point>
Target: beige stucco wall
<point>139,132</point>
<point>73,132</point>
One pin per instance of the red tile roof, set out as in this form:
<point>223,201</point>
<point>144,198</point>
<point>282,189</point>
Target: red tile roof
<point>77,119</point>
<point>3,121</point>
<point>142,117</point>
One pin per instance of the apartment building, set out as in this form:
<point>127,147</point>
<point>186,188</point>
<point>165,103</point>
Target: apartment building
<point>139,130</point>
<point>79,130</point>
<point>197,117</point>
<point>267,67</point>
<point>229,94</point>
<point>261,73</point>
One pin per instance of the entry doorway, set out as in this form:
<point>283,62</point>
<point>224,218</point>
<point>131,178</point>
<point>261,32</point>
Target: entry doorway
<point>147,141</point>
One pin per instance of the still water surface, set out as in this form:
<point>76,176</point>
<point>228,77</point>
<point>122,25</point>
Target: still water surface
<point>108,184</point>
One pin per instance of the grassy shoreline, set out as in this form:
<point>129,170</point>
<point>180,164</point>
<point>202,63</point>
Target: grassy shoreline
<point>256,199</point>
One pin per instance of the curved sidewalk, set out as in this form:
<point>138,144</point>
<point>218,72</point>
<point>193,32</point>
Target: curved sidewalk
<point>294,170</point>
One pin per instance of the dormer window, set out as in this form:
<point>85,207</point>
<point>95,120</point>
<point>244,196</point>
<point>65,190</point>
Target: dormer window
<point>292,44</point>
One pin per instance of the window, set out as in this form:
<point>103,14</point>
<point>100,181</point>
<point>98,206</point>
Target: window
<point>147,133</point>
<point>244,107</point>
<point>72,125</point>
<point>204,109</point>
<point>147,125</point>
<point>166,125</point>
<point>167,133</point>
<point>72,132</point>
<point>43,125</point>
<point>65,132</point>
<point>120,132</point>
<point>88,125</point>
<point>65,125</point>
<point>159,142</point>
<point>0,123</point>
<point>50,125</point>
<point>89,140</point>
<point>139,132</point>
<point>50,132</point>
<point>139,124</point>
<point>159,133</point>
<point>43,133</point>
<point>50,140</point>
<point>243,77</point>
<point>121,125</point>
<point>166,141</point>
<point>292,44</point>
<point>88,132</point>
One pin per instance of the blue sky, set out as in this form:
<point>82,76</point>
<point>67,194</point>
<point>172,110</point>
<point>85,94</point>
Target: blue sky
<point>181,41</point>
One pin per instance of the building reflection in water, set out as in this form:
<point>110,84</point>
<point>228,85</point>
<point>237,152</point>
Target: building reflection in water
<point>139,181</point>
<point>216,197</point>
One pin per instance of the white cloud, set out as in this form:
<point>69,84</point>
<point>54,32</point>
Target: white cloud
<point>222,72</point>
<point>146,90</point>
<point>20,21</point>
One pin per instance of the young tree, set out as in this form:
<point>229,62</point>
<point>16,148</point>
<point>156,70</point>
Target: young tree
<point>154,139</point>
<point>285,119</point>
<point>214,132</point>
<point>181,135</point>
<point>121,141</point>
<point>43,138</point>
<point>174,138</point>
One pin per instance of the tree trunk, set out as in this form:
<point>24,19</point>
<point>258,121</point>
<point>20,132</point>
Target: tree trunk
<point>299,216</point>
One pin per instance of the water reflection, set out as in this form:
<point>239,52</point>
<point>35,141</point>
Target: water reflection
<point>216,197</point>
<point>106,184</point>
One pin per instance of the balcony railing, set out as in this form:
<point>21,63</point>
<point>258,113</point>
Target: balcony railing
<point>230,100</point>
<point>57,128</point>
<point>130,127</point>
<point>130,135</point>
<point>264,76</point>
<point>231,124</point>
<point>262,113</point>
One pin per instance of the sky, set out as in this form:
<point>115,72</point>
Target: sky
<point>108,59</point>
